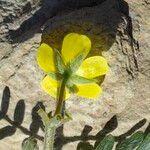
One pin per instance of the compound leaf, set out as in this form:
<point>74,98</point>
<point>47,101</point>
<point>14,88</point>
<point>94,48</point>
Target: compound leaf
<point>107,143</point>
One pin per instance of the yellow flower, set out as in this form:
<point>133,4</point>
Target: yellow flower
<point>71,64</point>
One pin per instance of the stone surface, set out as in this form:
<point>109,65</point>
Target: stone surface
<point>119,30</point>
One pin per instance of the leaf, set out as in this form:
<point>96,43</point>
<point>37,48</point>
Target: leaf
<point>107,143</point>
<point>59,62</point>
<point>71,86</point>
<point>30,144</point>
<point>145,145</point>
<point>55,76</point>
<point>44,116</point>
<point>48,122</point>
<point>75,64</point>
<point>132,142</point>
<point>81,80</point>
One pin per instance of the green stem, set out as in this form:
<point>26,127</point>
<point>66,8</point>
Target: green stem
<point>60,98</point>
<point>49,138</point>
<point>50,132</point>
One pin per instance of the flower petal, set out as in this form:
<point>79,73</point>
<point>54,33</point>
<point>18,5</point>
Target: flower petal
<point>51,86</point>
<point>73,44</point>
<point>93,67</point>
<point>45,58</point>
<point>92,90</point>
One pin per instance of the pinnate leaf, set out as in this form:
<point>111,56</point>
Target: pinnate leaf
<point>145,145</point>
<point>107,143</point>
<point>131,143</point>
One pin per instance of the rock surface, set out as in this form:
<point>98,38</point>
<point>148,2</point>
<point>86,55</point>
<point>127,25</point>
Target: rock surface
<point>119,30</point>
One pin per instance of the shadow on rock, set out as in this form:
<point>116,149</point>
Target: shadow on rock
<point>18,118</point>
<point>48,9</point>
<point>61,140</point>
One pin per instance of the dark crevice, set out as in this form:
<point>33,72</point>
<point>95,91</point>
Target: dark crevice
<point>5,57</point>
<point>11,76</point>
<point>129,30</point>
<point>27,8</point>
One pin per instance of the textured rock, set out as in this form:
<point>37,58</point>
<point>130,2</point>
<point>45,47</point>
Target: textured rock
<point>119,31</point>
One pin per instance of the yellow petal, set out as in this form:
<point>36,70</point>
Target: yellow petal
<point>92,90</point>
<point>45,58</point>
<point>93,67</point>
<point>51,86</point>
<point>73,44</point>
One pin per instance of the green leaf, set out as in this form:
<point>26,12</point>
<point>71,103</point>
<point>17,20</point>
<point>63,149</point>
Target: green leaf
<point>71,86</point>
<point>107,143</point>
<point>44,116</point>
<point>145,145</point>
<point>59,62</point>
<point>75,64</point>
<point>30,144</point>
<point>49,122</point>
<point>72,89</point>
<point>55,76</point>
<point>131,143</point>
<point>81,80</point>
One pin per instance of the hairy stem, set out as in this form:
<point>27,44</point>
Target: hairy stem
<point>49,138</point>
<point>51,131</point>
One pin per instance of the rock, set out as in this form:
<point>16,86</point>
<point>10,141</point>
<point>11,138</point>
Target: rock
<point>119,30</point>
